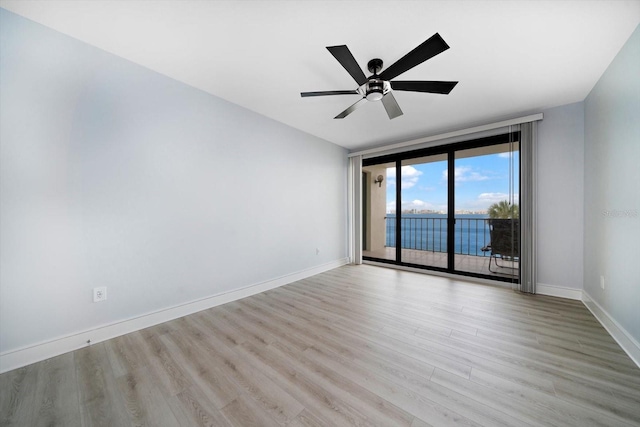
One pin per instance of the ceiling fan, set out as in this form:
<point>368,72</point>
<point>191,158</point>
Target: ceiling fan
<point>379,86</point>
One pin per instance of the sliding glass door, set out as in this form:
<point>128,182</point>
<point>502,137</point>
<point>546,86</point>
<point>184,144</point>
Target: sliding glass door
<point>424,212</point>
<point>486,210</point>
<point>453,208</point>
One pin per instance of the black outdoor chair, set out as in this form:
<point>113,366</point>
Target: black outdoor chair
<point>505,242</point>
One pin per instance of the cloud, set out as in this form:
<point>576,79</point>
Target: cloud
<point>391,206</point>
<point>464,174</point>
<point>491,198</point>
<point>410,177</point>
<point>506,155</point>
<point>484,200</point>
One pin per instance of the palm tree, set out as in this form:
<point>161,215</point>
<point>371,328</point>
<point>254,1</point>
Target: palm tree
<point>504,210</point>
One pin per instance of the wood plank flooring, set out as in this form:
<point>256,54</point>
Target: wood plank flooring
<point>358,345</point>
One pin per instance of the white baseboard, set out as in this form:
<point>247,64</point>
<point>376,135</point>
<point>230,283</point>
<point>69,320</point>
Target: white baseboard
<point>559,291</point>
<point>620,334</point>
<point>18,358</point>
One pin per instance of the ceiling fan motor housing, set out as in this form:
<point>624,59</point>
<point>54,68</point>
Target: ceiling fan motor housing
<point>375,90</point>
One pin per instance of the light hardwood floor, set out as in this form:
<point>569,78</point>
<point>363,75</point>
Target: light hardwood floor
<point>358,345</point>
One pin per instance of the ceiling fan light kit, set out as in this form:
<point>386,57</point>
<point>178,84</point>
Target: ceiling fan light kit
<point>379,86</point>
<point>374,90</point>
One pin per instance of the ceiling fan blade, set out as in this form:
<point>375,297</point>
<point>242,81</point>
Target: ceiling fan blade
<point>391,105</point>
<point>329,92</point>
<point>430,48</point>
<point>424,86</point>
<point>346,59</point>
<point>351,109</point>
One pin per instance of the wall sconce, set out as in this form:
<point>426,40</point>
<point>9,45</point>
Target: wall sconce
<point>379,180</point>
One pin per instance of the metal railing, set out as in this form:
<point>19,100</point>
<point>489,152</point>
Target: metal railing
<point>430,234</point>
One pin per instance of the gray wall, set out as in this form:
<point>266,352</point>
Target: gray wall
<point>612,188</point>
<point>561,197</point>
<point>114,175</point>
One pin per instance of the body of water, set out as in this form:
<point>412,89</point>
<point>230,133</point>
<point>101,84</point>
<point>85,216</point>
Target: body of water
<point>428,232</point>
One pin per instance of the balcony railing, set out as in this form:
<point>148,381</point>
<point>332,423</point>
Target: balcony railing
<point>430,234</point>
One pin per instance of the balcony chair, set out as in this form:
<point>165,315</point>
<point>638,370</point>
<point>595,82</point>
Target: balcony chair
<point>505,242</point>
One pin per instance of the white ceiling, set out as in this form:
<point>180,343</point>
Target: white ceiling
<point>510,57</point>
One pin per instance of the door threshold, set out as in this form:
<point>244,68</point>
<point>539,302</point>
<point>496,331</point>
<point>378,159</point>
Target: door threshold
<point>481,280</point>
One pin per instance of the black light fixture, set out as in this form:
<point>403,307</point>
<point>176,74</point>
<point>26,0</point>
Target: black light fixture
<point>379,180</point>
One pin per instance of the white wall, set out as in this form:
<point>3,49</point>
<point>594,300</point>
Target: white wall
<point>560,192</point>
<point>114,175</point>
<point>612,189</point>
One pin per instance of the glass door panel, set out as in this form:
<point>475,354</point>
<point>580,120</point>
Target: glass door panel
<point>486,210</point>
<point>423,222</point>
<point>378,211</point>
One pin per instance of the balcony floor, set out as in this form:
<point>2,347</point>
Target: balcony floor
<point>464,263</point>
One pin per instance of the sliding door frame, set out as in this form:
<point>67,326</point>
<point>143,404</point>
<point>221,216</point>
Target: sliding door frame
<point>450,150</point>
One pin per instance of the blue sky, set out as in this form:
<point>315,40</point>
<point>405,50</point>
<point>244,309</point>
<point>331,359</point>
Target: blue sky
<point>479,182</point>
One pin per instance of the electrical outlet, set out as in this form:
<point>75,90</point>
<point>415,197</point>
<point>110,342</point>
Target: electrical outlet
<point>99,294</point>
<point>602,282</point>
